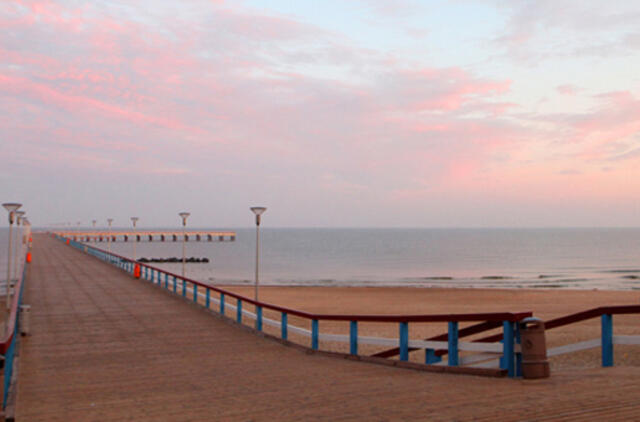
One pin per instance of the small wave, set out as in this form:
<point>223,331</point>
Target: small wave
<point>621,271</point>
<point>437,278</point>
<point>630,277</point>
<point>496,277</point>
<point>541,276</point>
<point>548,286</point>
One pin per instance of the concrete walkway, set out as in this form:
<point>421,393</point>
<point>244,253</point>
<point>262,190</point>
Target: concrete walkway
<point>105,347</point>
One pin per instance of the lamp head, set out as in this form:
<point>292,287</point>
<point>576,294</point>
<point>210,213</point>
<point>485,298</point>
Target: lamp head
<point>134,220</point>
<point>184,216</point>
<point>258,211</point>
<point>12,207</point>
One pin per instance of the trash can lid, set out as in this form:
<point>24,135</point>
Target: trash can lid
<point>531,319</point>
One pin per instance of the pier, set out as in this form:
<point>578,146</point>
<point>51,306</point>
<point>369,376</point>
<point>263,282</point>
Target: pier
<point>107,346</point>
<point>149,235</point>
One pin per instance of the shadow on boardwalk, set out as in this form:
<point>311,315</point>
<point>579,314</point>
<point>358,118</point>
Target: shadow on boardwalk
<point>107,347</point>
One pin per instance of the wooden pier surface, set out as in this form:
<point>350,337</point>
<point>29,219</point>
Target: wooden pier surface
<point>107,347</point>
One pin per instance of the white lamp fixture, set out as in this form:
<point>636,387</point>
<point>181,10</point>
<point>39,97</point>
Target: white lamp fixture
<point>258,212</point>
<point>109,220</point>
<point>184,215</point>
<point>12,207</point>
<point>19,222</point>
<point>134,220</point>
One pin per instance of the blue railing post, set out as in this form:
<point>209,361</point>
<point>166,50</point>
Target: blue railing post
<point>207,300</point>
<point>430,357</point>
<point>259,318</point>
<point>404,341</point>
<point>353,337</point>
<point>453,343</point>
<point>507,348</point>
<point>239,311</point>
<point>607,339</point>
<point>166,280</point>
<point>314,334</point>
<point>195,293</point>
<point>519,353</point>
<point>221,303</point>
<point>175,284</point>
<point>184,288</point>
<point>284,333</point>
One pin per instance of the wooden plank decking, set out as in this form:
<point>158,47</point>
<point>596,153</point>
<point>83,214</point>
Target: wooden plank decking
<point>105,346</point>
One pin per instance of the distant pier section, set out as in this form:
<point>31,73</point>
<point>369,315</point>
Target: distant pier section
<point>149,236</point>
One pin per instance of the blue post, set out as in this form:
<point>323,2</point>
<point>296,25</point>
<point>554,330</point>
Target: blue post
<point>259,318</point>
<point>607,339</point>
<point>184,288</point>
<point>507,348</point>
<point>453,343</point>
<point>239,311</point>
<point>430,357</point>
<point>222,303</point>
<point>207,301</point>
<point>166,280</point>
<point>283,326</point>
<point>195,293</point>
<point>353,337</point>
<point>314,334</point>
<point>404,341</point>
<point>175,284</point>
<point>518,354</point>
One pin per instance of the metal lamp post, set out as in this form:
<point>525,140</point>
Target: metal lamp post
<point>257,211</point>
<point>134,220</point>
<point>28,233</point>
<point>12,207</point>
<point>19,219</point>
<point>184,216</point>
<point>109,220</point>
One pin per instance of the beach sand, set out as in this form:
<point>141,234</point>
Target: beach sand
<point>545,304</point>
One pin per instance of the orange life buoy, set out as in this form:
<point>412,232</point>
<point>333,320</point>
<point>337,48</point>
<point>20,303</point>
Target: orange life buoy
<point>136,271</point>
<point>28,256</point>
<point>68,241</point>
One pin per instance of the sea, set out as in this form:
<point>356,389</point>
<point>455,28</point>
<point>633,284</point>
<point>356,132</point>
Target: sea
<point>565,258</point>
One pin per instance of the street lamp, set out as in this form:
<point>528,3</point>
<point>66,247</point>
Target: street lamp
<point>134,220</point>
<point>19,218</point>
<point>109,220</point>
<point>12,208</point>
<point>257,211</point>
<point>184,216</point>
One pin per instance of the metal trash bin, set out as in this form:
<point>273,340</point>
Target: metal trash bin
<point>534,349</point>
<point>25,317</point>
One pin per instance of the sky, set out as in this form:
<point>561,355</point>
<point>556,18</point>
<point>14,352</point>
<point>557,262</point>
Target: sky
<point>361,113</point>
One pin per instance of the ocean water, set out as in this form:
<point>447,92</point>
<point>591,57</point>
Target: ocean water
<point>492,258</point>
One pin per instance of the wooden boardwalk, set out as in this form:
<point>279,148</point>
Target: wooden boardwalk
<point>105,347</point>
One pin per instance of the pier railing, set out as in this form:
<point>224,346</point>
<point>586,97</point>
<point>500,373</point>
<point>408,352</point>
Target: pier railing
<point>607,338</point>
<point>9,339</point>
<point>505,354</point>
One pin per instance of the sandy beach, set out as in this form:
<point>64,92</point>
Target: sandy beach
<point>545,304</point>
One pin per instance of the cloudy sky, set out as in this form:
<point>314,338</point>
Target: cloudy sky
<point>330,113</point>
